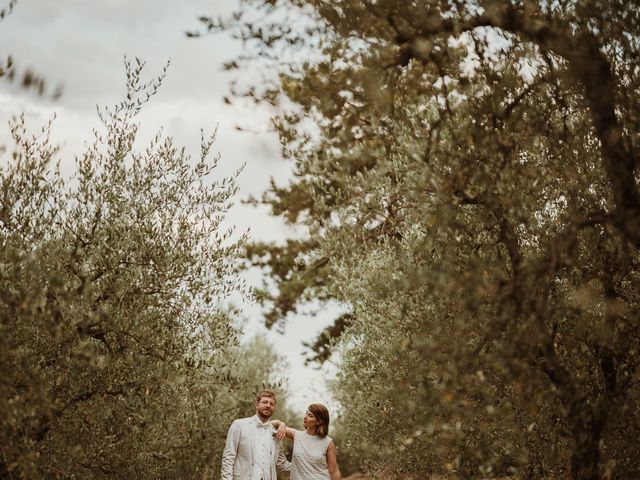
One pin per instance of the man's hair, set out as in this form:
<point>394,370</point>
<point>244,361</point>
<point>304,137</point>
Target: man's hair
<point>266,393</point>
<point>322,415</point>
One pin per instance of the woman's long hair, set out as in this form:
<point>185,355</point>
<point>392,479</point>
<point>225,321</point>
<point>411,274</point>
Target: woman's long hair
<point>322,415</point>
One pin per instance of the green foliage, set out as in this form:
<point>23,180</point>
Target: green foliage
<point>471,179</point>
<point>119,358</point>
<point>289,274</point>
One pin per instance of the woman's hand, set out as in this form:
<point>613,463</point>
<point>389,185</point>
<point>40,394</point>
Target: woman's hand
<point>332,462</point>
<point>281,429</point>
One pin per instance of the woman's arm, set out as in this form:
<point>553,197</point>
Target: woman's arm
<point>283,430</point>
<point>332,462</point>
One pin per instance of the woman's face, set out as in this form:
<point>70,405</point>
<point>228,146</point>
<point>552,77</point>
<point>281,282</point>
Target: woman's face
<point>310,420</point>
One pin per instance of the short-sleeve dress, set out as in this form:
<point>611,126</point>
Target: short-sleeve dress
<point>309,459</point>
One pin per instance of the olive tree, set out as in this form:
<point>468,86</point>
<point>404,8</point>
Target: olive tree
<point>118,352</point>
<point>468,173</point>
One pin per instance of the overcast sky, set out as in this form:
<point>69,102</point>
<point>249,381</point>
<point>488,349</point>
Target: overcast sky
<point>81,45</point>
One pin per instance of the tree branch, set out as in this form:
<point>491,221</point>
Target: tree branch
<point>589,66</point>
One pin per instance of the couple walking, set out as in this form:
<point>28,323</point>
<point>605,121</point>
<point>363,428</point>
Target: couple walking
<point>254,445</point>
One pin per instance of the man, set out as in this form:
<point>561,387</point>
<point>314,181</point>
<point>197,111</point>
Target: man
<point>254,448</point>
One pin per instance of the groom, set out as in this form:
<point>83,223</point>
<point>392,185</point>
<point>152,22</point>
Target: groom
<point>254,449</point>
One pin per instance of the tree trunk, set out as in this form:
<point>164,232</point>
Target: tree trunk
<point>588,423</point>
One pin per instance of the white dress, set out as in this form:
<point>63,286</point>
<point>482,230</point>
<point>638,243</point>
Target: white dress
<point>309,460</point>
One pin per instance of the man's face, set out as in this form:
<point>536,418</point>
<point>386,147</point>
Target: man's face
<point>265,407</point>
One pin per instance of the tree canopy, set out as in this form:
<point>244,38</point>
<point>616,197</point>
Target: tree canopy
<point>468,173</point>
<point>120,355</point>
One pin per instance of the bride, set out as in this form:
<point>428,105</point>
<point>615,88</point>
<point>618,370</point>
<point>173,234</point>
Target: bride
<point>314,453</point>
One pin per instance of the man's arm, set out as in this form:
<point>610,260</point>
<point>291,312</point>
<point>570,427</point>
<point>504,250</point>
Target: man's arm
<point>282,463</point>
<point>230,451</point>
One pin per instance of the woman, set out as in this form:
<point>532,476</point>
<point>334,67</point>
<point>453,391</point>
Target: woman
<point>314,453</point>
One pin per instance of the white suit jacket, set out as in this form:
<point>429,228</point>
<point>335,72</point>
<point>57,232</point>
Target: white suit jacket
<point>240,450</point>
